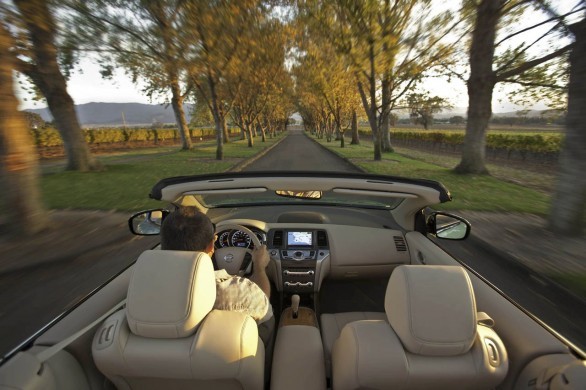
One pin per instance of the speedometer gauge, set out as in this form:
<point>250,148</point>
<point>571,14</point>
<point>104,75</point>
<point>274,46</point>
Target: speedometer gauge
<point>240,239</point>
<point>224,239</point>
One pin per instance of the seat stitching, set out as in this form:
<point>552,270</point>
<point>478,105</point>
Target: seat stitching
<point>357,355</point>
<point>192,352</point>
<point>242,345</point>
<point>409,313</point>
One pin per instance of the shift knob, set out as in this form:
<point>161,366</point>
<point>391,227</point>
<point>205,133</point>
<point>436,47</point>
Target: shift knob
<point>295,305</point>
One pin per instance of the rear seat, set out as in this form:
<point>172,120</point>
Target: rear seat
<point>332,325</point>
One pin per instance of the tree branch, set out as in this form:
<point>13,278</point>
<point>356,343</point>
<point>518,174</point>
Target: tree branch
<point>531,64</point>
<point>521,52</point>
<point>559,18</point>
<point>534,84</point>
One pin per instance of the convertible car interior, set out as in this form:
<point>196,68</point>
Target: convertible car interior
<point>362,296</point>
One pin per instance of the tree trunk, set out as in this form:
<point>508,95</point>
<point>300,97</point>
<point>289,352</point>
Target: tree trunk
<point>386,134</point>
<point>225,129</point>
<point>177,104</point>
<point>47,76</point>
<point>249,135</point>
<point>262,132</point>
<point>385,131</point>
<point>370,108</point>
<point>568,209</point>
<point>342,141</point>
<point>355,135</point>
<point>480,87</point>
<point>22,206</point>
<point>218,119</point>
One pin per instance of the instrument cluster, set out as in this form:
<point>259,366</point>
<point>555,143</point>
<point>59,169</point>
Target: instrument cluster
<point>238,238</point>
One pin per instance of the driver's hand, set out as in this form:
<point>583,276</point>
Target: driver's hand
<point>260,257</point>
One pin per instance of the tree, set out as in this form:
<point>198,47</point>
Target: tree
<point>512,65</point>
<point>423,106</point>
<point>457,120</point>
<point>146,38</point>
<point>260,80</point>
<point>34,121</point>
<point>23,207</point>
<point>355,135</point>
<point>201,114</point>
<point>389,48</point>
<point>34,35</point>
<point>221,38</point>
<point>568,209</point>
<point>322,71</point>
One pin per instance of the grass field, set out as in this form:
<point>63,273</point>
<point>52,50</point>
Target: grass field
<point>126,181</point>
<point>469,192</point>
<point>129,176</point>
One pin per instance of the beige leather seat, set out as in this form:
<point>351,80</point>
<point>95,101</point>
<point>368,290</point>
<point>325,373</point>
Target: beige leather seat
<point>170,338</point>
<point>332,325</point>
<point>432,339</point>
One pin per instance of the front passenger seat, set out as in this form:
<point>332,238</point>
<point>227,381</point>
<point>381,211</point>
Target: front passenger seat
<point>170,338</point>
<point>432,341</point>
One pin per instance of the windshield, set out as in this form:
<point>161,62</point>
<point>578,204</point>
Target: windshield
<point>335,197</point>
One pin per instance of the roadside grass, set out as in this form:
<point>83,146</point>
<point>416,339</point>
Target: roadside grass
<point>469,192</point>
<point>127,178</point>
<point>540,181</point>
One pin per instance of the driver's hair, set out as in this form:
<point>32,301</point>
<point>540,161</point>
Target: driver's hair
<point>186,229</point>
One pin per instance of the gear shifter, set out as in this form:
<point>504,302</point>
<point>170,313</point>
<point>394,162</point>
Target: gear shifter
<point>295,305</point>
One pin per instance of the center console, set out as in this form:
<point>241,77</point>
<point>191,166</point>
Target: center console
<point>298,358</point>
<point>299,255</point>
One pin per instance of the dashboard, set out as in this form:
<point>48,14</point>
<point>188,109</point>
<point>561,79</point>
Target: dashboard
<point>306,248</point>
<point>238,238</point>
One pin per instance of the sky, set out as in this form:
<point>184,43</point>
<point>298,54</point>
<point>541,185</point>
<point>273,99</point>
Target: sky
<point>86,85</point>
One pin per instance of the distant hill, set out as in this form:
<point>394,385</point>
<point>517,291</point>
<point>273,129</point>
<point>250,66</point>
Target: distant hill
<point>110,114</point>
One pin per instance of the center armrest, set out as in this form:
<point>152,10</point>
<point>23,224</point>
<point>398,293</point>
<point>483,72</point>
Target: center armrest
<point>298,359</point>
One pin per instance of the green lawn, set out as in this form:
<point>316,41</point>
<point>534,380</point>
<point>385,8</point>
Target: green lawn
<point>469,192</point>
<point>127,179</point>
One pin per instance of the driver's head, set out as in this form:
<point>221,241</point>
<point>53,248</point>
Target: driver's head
<point>187,229</point>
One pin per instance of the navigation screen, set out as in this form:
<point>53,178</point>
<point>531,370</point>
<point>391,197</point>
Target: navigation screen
<point>299,238</point>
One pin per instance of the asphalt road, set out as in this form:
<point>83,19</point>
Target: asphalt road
<point>40,278</point>
<point>299,153</point>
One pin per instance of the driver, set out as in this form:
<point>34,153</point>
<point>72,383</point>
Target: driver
<point>188,229</point>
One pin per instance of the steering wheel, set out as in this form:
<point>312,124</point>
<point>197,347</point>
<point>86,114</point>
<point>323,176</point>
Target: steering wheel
<point>231,258</point>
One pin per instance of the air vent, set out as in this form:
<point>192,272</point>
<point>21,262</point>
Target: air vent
<point>278,239</point>
<point>322,238</point>
<point>400,244</point>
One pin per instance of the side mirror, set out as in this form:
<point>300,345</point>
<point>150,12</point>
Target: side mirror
<point>448,226</point>
<point>147,223</point>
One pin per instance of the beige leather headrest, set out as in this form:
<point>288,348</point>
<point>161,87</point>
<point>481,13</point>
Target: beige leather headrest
<point>432,309</point>
<point>170,293</point>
